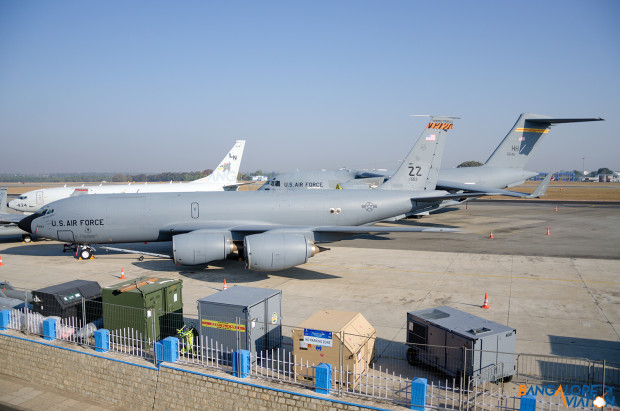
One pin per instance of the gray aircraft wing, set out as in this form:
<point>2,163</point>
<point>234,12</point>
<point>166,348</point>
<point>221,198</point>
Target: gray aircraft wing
<point>452,185</point>
<point>244,229</point>
<point>11,218</point>
<point>7,218</point>
<point>373,174</point>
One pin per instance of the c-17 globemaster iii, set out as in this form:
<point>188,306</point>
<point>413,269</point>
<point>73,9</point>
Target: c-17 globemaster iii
<point>272,230</point>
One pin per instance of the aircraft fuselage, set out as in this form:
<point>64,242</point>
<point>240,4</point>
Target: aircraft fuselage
<point>157,217</point>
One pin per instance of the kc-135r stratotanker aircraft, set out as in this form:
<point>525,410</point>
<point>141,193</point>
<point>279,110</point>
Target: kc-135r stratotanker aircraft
<point>273,230</point>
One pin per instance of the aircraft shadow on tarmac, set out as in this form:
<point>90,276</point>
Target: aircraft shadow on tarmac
<point>232,271</point>
<point>38,249</point>
<point>591,349</point>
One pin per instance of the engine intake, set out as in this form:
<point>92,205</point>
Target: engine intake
<point>200,248</point>
<point>273,252</point>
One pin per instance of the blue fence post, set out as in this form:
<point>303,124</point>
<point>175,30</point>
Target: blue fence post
<point>5,319</point>
<point>418,394</point>
<point>171,349</point>
<point>49,329</point>
<point>102,340</point>
<point>323,378</point>
<point>159,352</point>
<point>241,363</point>
<point>528,403</point>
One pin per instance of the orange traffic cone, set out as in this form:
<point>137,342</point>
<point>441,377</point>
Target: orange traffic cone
<point>556,208</point>
<point>225,286</point>
<point>1,261</point>
<point>123,275</point>
<point>486,301</point>
<point>491,236</point>
<point>548,233</point>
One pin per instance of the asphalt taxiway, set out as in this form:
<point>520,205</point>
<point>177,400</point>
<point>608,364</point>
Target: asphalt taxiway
<point>560,291</point>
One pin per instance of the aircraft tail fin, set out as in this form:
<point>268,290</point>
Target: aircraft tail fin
<point>228,169</point>
<point>3,201</point>
<point>522,139</point>
<point>420,169</point>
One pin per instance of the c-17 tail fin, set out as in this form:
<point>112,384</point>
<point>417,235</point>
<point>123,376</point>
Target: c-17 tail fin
<point>520,142</point>
<point>228,169</point>
<point>420,169</point>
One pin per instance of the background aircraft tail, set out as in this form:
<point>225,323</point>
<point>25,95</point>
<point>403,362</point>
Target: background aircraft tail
<point>3,200</point>
<point>228,169</point>
<point>420,169</point>
<point>520,142</point>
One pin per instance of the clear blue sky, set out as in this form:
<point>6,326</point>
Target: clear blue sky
<point>154,86</point>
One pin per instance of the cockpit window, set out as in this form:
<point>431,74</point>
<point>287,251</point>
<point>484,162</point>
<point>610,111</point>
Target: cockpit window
<point>45,211</point>
<point>22,197</point>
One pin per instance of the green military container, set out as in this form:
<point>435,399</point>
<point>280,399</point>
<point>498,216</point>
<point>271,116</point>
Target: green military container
<point>147,306</point>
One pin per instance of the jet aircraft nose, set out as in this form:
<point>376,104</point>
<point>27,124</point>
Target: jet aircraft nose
<point>26,223</point>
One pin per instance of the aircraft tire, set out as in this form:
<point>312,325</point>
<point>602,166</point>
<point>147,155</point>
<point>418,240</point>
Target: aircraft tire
<point>86,253</point>
<point>27,238</point>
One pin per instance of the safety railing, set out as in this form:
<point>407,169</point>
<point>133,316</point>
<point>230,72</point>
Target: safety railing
<point>371,368</point>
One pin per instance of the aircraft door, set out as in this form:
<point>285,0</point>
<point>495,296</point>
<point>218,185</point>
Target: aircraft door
<point>195,210</point>
<point>39,198</point>
<point>66,236</point>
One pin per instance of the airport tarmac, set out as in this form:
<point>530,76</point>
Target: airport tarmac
<point>560,291</point>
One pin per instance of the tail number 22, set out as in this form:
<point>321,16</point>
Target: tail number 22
<point>415,171</point>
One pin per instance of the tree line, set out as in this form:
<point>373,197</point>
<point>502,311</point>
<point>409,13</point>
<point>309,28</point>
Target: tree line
<point>170,176</point>
<point>117,177</point>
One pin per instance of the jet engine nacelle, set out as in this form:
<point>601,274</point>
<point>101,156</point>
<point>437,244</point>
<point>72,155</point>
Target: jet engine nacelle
<point>272,252</point>
<point>201,248</point>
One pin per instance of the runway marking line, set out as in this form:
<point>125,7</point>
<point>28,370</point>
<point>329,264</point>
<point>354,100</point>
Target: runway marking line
<point>468,274</point>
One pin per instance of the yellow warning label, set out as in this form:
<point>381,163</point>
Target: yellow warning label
<point>223,326</point>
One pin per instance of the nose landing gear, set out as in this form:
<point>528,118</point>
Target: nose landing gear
<point>86,252</point>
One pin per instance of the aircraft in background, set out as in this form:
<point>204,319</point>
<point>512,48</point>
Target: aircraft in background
<point>8,222</point>
<point>272,230</point>
<point>504,168</point>
<point>223,177</point>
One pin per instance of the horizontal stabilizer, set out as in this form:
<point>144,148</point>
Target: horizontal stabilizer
<point>563,120</point>
<point>522,139</point>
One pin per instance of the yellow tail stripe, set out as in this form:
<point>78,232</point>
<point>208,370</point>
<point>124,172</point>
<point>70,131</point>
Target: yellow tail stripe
<point>533,130</point>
